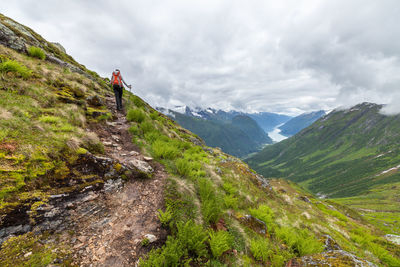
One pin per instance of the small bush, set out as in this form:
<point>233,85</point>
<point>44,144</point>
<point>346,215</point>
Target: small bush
<point>220,242</point>
<point>154,115</point>
<point>187,168</point>
<point>261,249</point>
<point>265,214</point>
<point>301,241</point>
<point>135,115</point>
<point>231,201</point>
<point>34,51</point>
<point>146,127</point>
<point>165,217</point>
<point>193,237</point>
<point>50,119</point>
<point>229,188</point>
<point>151,137</point>
<point>134,130</point>
<point>15,67</point>
<point>138,102</point>
<point>210,203</point>
<point>164,150</point>
<point>169,255</point>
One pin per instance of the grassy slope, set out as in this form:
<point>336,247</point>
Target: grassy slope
<point>231,138</point>
<point>343,154</point>
<point>296,124</point>
<point>43,130</point>
<point>42,124</point>
<point>380,206</point>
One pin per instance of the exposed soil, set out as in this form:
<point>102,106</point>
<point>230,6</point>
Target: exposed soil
<point>112,233</point>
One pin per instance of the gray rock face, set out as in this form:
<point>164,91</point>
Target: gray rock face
<point>393,238</point>
<point>332,258</point>
<point>59,46</point>
<point>141,165</point>
<point>95,100</point>
<point>24,39</point>
<point>10,39</point>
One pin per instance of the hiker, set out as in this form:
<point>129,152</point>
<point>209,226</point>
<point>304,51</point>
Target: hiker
<point>116,82</point>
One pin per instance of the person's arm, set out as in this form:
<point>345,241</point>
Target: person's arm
<point>127,85</point>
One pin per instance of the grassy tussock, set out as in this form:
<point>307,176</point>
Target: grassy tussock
<point>36,52</point>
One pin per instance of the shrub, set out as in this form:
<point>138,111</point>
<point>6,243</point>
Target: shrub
<point>261,249</point>
<point>265,214</point>
<point>231,201</point>
<point>50,119</point>
<point>135,115</point>
<point>164,150</point>
<point>229,188</point>
<point>193,237</point>
<point>210,203</point>
<point>134,130</point>
<point>301,241</point>
<point>151,137</point>
<point>187,168</point>
<point>146,127</point>
<point>169,255</point>
<point>137,101</point>
<point>165,217</point>
<point>220,242</point>
<point>34,51</point>
<point>15,67</point>
<point>154,115</point>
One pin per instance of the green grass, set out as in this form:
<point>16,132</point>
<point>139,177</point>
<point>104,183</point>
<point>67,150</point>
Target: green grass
<point>11,66</point>
<point>301,241</point>
<point>36,52</point>
<point>136,115</point>
<point>220,242</point>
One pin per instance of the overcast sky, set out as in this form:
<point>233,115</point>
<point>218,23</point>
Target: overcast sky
<point>279,56</point>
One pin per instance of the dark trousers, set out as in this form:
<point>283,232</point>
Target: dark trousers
<point>118,95</point>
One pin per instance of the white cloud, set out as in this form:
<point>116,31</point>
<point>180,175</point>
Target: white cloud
<point>279,56</point>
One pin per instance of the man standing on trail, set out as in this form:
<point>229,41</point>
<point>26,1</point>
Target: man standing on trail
<point>116,82</point>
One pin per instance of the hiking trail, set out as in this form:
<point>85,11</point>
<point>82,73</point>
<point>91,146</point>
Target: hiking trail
<point>111,234</point>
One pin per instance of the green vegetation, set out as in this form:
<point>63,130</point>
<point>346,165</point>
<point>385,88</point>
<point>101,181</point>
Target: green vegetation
<point>11,66</point>
<point>135,115</point>
<point>296,124</point>
<point>345,154</point>
<point>220,242</point>
<point>238,137</point>
<point>215,205</point>
<point>36,52</point>
<point>25,250</point>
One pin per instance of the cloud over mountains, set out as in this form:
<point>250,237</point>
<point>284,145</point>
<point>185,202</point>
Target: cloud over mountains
<point>279,56</point>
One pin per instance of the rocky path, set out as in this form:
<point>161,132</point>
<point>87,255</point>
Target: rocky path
<point>111,234</point>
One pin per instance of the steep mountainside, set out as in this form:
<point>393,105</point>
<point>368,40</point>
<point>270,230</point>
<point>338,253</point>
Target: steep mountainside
<point>268,121</point>
<point>238,136</point>
<point>251,129</point>
<point>343,154</point>
<point>84,185</point>
<point>298,123</point>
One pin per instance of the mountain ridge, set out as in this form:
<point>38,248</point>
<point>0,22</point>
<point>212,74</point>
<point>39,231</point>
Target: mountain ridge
<point>80,184</point>
<point>360,129</point>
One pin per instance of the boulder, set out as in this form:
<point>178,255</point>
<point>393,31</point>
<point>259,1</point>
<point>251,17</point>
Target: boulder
<point>95,100</point>
<point>393,238</point>
<point>331,258</point>
<point>141,165</point>
<point>59,46</point>
<point>255,224</point>
<point>150,237</point>
<point>10,39</point>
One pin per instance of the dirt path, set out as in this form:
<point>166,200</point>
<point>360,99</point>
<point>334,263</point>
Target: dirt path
<point>111,235</point>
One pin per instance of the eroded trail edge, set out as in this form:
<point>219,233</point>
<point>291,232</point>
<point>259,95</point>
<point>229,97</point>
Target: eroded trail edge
<point>110,234</point>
